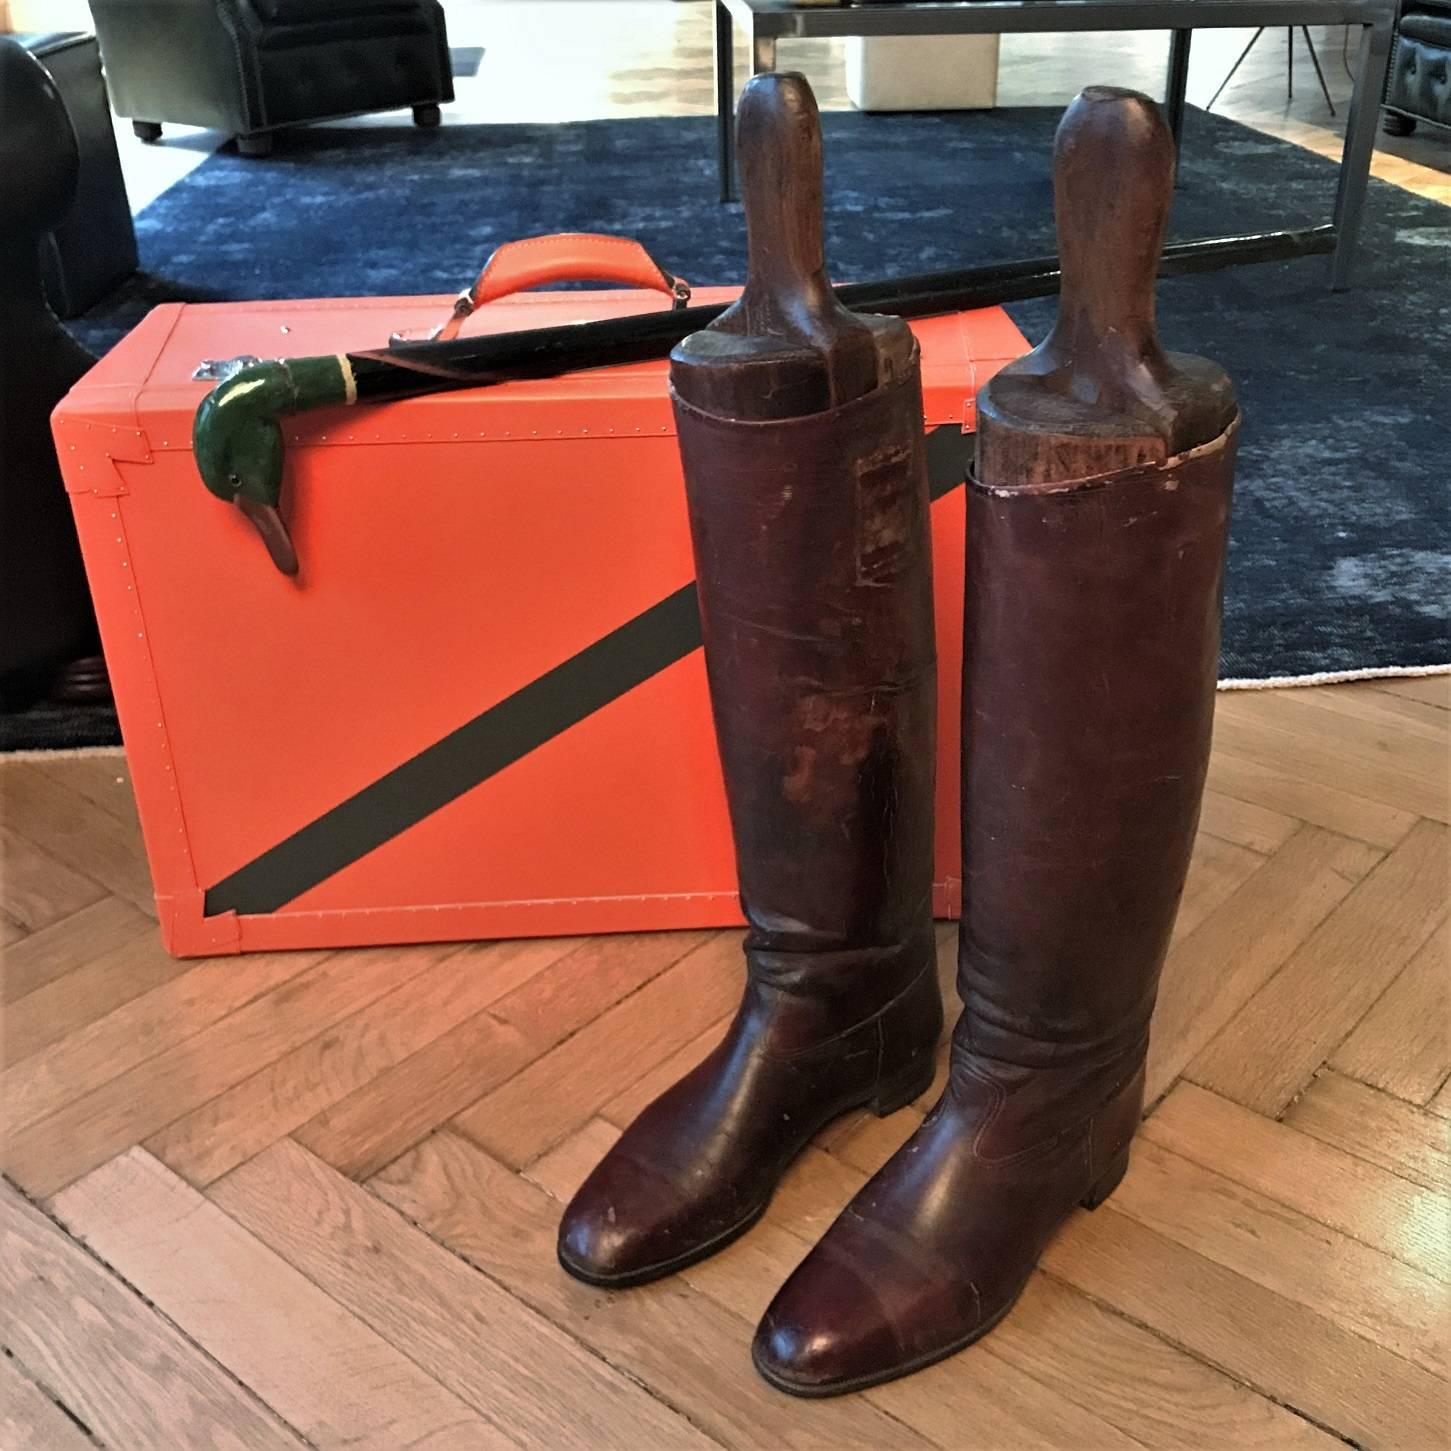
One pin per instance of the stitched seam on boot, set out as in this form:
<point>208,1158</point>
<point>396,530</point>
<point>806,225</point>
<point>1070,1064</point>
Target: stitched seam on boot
<point>867,1022</point>
<point>1043,1146</point>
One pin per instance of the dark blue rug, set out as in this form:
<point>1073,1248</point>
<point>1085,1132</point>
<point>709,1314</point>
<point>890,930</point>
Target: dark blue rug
<point>1341,555</point>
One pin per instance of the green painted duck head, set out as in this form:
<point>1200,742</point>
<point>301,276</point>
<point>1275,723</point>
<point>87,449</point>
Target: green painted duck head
<point>237,438</point>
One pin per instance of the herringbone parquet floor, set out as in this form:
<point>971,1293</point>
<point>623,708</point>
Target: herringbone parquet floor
<point>309,1200</point>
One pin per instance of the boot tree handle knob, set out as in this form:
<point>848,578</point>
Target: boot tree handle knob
<point>778,135</point>
<point>1100,394</point>
<point>787,293</point>
<point>1113,184</point>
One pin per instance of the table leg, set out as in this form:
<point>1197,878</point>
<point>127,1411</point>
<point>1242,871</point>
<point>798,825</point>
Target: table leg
<point>1372,62</point>
<point>1176,84</point>
<point>725,101</point>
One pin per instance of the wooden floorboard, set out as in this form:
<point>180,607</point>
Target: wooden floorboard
<point>1219,967</point>
<point>66,1007</point>
<point>561,1089</point>
<point>311,1199</point>
<point>1403,1044</point>
<point>1268,1052</point>
<point>51,818</point>
<point>1375,1127</point>
<point>1431,689</point>
<point>98,1349</point>
<point>528,1377</point>
<point>1317,1179</point>
<point>37,888</point>
<point>29,1417</point>
<point>1319,803</point>
<point>1276,1345</point>
<point>33,959</point>
<point>321,1368</point>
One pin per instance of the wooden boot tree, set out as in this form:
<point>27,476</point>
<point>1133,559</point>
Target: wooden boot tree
<point>1100,393</point>
<point>787,347</point>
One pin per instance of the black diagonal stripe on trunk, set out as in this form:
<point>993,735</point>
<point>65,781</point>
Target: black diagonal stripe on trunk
<point>562,697</point>
<point>520,723</point>
<point>949,452</point>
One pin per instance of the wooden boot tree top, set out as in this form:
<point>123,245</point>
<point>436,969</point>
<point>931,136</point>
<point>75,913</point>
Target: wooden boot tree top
<point>1100,394</point>
<point>788,347</point>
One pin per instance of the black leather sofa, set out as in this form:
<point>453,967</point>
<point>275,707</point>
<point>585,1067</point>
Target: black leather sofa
<point>1418,87</point>
<point>250,67</point>
<point>94,247</point>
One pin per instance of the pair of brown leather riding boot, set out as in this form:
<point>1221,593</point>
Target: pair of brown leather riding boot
<point>1096,529</point>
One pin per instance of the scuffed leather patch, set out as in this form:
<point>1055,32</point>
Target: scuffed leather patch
<point>887,509</point>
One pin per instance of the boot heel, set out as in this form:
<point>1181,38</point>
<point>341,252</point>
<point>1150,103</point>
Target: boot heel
<point>899,1090</point>
<point>1108,1181</point>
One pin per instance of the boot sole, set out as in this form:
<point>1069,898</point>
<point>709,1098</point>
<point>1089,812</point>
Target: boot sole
<point>804,1390</point>
<point>887,1099</point>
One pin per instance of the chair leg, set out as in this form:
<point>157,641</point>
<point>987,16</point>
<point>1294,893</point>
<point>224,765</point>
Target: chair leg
<point>427,116</point>
<point>1319,74</point>
<point>147,130</point>
<point>1234,68</point>
<point>255,143</point>
<point>1394,124</point>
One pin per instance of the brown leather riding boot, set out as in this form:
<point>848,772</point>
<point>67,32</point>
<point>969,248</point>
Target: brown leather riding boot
<point>801,434</point>
<point>1096,536</point>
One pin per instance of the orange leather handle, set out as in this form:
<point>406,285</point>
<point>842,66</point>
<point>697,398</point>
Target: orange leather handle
<point>562,257</point>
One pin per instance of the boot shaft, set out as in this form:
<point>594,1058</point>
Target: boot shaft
<point>800,427</point>
<point>1092,646</point>
<point>1096,538</point>
<point>814,574</point>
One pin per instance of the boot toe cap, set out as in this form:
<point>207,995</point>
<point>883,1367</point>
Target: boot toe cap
<point>629,1223</point>
<point>611,1239</point>
<point>594,1246</point>
<point>826,1333</point>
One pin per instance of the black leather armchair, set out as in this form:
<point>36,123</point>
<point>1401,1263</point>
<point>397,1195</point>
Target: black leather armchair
<point>250,67</point>
<point>1418,87</point>
<point>45,609</point>
<point>94,248</point>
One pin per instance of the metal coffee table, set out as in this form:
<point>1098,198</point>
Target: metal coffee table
<point>768,21</point>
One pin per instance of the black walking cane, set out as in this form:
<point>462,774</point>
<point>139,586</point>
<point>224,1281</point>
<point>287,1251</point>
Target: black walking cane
<point>239,446</point>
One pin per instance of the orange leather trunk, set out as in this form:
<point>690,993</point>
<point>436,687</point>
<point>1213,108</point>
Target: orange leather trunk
<point>480,710</point>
